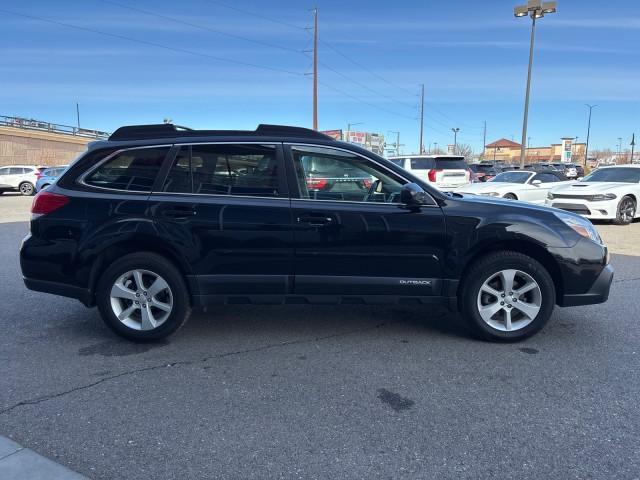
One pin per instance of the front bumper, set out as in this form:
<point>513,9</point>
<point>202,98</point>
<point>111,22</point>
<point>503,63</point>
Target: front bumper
<point>605,210</point>
<point>598,293</point>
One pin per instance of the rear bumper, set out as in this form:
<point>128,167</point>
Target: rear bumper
<point>598,293</point>
<point>61,289</point>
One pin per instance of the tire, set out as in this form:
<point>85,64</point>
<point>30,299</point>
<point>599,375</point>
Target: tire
<point>44,186</point>
<point>118,290</point>
<point>539,300</point>
<point>510,196</point>
<point>626,211</point>
<point>27,189</point>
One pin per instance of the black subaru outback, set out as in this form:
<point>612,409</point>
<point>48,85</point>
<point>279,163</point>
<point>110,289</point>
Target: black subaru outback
<point>159,219</point>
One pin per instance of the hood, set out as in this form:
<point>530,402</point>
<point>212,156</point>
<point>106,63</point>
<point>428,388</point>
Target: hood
<point>589,188</point>
<point>502,202</point>
<point>485,187</point>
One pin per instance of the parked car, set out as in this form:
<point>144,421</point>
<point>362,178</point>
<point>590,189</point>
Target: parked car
<point>444,172</point>
<point>48,176</point>
<point>608,193</point>
<point>155,221</point>
<point>519,185</point>
<point>19,178</point>
<point>486,171</point>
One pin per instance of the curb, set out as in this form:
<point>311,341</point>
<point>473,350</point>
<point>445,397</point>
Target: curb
<point>19,463</point>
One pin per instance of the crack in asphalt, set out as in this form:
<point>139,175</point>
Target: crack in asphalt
<point>44,398</point>
<point>635,279</point>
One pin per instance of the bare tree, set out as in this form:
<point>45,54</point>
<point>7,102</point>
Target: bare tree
<point>465,151</point>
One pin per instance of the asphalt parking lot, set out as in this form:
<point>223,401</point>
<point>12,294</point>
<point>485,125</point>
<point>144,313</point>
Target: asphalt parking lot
<point>323,392</point>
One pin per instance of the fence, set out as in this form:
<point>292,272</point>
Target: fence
<point>31,124</point>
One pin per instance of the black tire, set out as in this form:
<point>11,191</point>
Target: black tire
<point>626,211</point>
<point>27,189</point>
<point>510,196</point>
<point>489,265</point>
<point>151,262</point>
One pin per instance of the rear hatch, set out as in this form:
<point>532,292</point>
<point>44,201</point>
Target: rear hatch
<point>444,172</point>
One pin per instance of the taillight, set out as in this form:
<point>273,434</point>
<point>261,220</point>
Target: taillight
<point>432,174</point>
<point>316,183</point>
<point>46,202</point>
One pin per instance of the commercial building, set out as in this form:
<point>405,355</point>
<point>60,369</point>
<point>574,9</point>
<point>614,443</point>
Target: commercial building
<point>509,151</point>
<point>371,141</point>
<point>34,142</point>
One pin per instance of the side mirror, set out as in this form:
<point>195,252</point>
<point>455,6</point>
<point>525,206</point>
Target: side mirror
<point>537,183</point>
<point>413,195</point>
<point>579,179</point>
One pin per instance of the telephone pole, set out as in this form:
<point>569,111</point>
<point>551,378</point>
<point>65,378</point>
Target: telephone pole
<point>421,149</point>
<point>315,68</point>
<point>78,114</point>
<point>484,139</point>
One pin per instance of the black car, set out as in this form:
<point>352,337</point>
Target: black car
<point>157,220</point>
<point>485,171</point>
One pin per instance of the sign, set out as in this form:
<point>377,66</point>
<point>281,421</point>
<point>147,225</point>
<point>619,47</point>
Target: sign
<point>567,150</point>
<point>451,149</point>
<point>359,138</point>
<point>335,134</point>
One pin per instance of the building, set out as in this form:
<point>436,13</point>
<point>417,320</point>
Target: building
<point>509,151</point>
<point>34,142</point>
<point>371,141</point>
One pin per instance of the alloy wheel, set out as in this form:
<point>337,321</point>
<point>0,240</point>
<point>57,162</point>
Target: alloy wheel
<point>141,299</point>
<point>509,300</point>
<point>26,189</point>
<point>627,210</point>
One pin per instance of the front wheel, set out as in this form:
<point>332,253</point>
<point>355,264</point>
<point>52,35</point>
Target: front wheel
<point>510,196</point>
<point>143,297</point>
<point>507,296</point>
<point>626,211</point>
<point>26,189</point>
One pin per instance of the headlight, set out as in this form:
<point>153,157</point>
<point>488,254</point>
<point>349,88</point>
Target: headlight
<point>603,196</point>
<point>580,225</point>
<point>550,196</point>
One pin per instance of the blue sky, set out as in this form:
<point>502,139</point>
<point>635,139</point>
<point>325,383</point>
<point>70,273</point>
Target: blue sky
<point>471,56</point>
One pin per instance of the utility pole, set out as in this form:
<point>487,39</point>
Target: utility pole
<point>619,149</point>
<point>421,149</point>
<point>484,139</point>
<point>435,148</point>
<point>633,145</point>
<point>455,139</point>
<point>315,68</point>
<point>78,114</point>
<point>586,147</point>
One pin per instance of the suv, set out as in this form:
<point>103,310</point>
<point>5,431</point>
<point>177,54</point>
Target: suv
<point>445,172</point>
<point>20,178</point>
<point>157,220</point>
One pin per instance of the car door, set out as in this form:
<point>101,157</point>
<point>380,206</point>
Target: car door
<point>5,180</point>
<point>16,175</point>
<point>224,208</point>
<point>355,237</point>
<point>538,194</point>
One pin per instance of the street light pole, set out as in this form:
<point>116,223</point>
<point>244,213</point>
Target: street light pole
<point>455,139</point>
<point>586,147</point>
<point>535,9</point>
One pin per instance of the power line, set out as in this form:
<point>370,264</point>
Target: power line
<point>257,15</point>
<point>153,44</point>
<point>201,27</point>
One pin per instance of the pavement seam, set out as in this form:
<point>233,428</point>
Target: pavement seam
<point>44,398</point>
<point>12,453</point>
<point>627,280</point>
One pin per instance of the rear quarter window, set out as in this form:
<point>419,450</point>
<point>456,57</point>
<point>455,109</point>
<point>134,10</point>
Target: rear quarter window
<point>132,170</point>
<point>450,164</point>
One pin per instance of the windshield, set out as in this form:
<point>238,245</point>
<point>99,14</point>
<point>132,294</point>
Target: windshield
<point>615,174</point>
<point>512,177</point>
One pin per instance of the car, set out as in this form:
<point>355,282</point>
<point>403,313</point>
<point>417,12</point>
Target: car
<point>569,169</point>
<point>608,193</point>
<point>19,178</point>
<point>444,172</point>
<point>158,220</point>
<point>485,171</point>
<point>526,185</point>
<point>48,176</point>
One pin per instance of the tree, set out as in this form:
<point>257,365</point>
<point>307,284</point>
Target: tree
<point>465,151</point>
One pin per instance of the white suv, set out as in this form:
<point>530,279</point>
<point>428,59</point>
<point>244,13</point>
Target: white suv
<point>445,172</point>
<point>21,178</point>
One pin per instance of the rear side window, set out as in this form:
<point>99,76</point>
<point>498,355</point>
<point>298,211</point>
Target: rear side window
<point>245,170</point>
<point>450,163</point>
<point>422,163</point>
<point>131,170</point>
<point>16,171</point>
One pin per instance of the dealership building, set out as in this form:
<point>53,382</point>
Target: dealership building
<point>509,151</point>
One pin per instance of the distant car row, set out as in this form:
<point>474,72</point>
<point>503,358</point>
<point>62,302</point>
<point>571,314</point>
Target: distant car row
<point>27,179</point>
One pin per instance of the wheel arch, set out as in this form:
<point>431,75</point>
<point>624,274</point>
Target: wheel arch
<point>531,249</point>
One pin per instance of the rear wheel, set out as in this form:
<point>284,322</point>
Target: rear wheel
<point>510,196</point>
<point>143,297</point>
<point>626,211</point>
<point>507,296</point>
<point>26,189</point>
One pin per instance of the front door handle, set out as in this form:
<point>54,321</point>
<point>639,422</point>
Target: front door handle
<point>315,219</point>
<point>178,212</point>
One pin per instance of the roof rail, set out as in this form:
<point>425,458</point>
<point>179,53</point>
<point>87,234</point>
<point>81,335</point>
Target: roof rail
<point>168,130</point>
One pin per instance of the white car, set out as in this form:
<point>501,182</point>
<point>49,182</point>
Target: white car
<point>21,178</point>
<point>525,185</point>
<point>608,193</point>
<point>445,172</point>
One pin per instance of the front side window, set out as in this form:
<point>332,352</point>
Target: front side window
<point>546,177</point>
<point>329,174</point>
<point>16,171</point>
<point>131,170</point>
<point>246,170</point>
<point>512,177</point>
